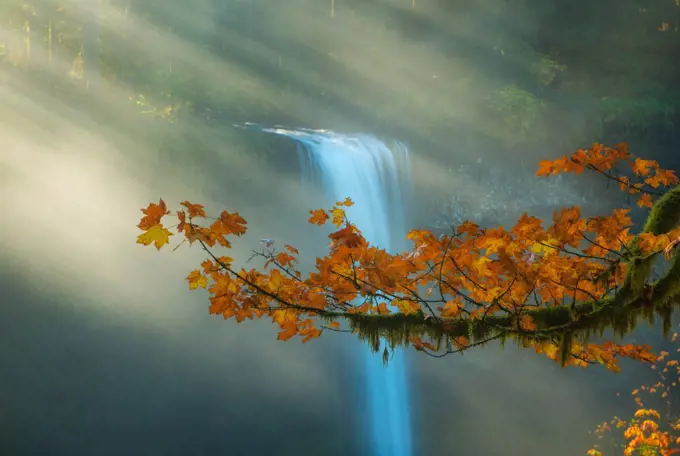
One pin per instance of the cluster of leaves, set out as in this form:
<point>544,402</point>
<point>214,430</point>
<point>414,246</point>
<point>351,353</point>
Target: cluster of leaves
<point>602,160</point>
<point>649,432</point>
<point>546,288</point>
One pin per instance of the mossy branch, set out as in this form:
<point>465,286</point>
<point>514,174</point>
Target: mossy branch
<point>620,312</point>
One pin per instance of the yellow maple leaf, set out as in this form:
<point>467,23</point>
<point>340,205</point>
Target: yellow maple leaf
<point>647,412</point>
<point>338,216</point>
<point>452,309</point>
<point>156,234</point>
<point>551,350</point>
<point>405,306</point>
<point>479,265</point>
<point>546,247</point>
<point>196,279</point>
<point>275,281</point>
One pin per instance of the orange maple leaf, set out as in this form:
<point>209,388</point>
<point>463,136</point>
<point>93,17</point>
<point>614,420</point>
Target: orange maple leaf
<point>346,236</point>
<point>526,323</point>
<point>288,331</point>
<point>233,223</point>
<point>153,214</point>
<point>291,249</point>
<point>645,200</point>
<point>195,210</point>
<point>347,202</point>
<point>318,217</point>
<point>643,167</point>
<point>182,217</point>
<point>469,228</point>
<point>545,168</point>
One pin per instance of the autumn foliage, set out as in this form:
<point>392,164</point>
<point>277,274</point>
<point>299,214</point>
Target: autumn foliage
<point>550,288</point>
<point>654,429</point>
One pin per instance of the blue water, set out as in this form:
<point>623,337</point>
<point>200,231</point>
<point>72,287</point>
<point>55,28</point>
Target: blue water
<point>374,176</point>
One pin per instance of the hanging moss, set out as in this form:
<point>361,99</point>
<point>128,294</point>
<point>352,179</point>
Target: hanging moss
<point>639,268</point>
<point>665,311</point>
<point>480,330</point>
<point>566,340</point>
<point>394,328</point>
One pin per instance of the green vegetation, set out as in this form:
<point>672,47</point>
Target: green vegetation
<point>594,72</point>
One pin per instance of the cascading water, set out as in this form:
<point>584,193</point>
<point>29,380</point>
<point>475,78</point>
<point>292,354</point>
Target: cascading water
<point>374,176</point>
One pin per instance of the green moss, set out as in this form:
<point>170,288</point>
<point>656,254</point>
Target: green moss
<point>566,340</point>
<point>394,328</point>
<point>668,287</point>
<point>665,215</point>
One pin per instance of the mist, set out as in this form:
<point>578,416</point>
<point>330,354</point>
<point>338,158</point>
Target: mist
<point>103,348</point>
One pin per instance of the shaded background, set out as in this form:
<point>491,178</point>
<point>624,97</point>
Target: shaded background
<point>107,105</point>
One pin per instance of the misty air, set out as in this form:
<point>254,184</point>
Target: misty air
<point>342,227</point>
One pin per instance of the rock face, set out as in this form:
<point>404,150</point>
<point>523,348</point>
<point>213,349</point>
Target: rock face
<point>491,196</point>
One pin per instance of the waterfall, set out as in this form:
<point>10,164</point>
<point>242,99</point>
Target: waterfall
<point>375,177</point>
